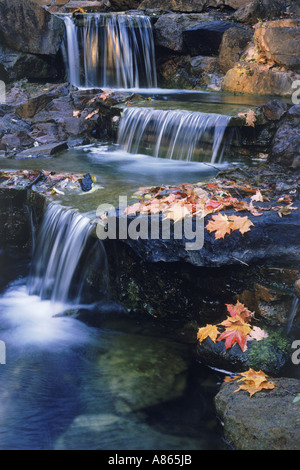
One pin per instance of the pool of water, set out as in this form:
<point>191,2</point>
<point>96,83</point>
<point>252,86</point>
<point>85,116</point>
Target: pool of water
<point>115,383</point>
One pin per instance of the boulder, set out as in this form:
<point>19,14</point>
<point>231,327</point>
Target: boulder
<point>286,145</point>
<point>257,10</point>
<point>279,41</point>
<point>182,6</point>
<point>274,110</point>
<point>266,421</point>
<point>259,80</point>
<point>205,39</point>
<point>270,354</point>
<point>234,42</point>
<point>169,29</point>
<point>26,26</point>
<point>17,65</point>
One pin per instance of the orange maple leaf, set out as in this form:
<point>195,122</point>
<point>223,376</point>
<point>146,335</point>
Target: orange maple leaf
<point>240,310</point>
<point>210,331</point>
<point>254,382</point>
<point>220,224</point>
<point>242,224</point>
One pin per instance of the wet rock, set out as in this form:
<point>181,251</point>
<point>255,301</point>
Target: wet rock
<point>279,41</point>
<point>86,183</point>
<point>274,110</point>
<point>42,150</point>
<point>147,373</point>
<point>27,27</point>
<point>286,145</point>
<point>106,431</point>
<point>270,354</point>
<point>267,421</point>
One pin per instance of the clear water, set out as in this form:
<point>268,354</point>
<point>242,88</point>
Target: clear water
<point>116,383</point>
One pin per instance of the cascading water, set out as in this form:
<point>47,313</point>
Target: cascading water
<point>115,51</point>
<point>179,135</point>
<point>60,246</point>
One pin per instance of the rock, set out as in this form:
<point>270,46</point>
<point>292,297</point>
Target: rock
<point>270,354</point>
<point>95,6</point>
<point>42,150</point>
<point>274,110</point>
<point>86,183</point>
<point>234,42</point>
<point>279,41</point>
<point>182,6</point>
<point>27,27</point>
<point>262,244</point>
<point>157,373</point>
<point>17,65</point>
<point>112,432</point>
<point>260,80</point>
<point>267,421</point>
<point>286,145</point>
<point>169,29</point>
<point>257,10</point>
<point>205,39</point>
<point>186,72</point>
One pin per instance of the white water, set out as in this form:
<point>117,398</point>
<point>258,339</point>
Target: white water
<point>60,244</point>
<point>176,134</point>
<point>115,51</point>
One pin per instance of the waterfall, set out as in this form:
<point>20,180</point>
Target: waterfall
<point>110,51</point>
<point>60,247</point>
<point>180,135</point>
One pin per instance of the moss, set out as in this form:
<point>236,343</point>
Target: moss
<point>271,353</point>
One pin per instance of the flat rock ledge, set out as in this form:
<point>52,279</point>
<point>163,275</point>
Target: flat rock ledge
<point>267,421</point>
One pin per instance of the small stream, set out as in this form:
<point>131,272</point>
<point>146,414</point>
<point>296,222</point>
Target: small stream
<point>119,384</point>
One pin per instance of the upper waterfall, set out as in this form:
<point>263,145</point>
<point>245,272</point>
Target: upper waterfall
<point>110,51</point>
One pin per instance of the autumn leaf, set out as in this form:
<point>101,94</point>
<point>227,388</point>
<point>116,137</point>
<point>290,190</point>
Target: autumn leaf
<point>236,334</point>
<point>254,382</point>
<point>257,334</point>
<point>250,118</point>
<point>240,310</point>
<point>258,197</point>
<point>78,10</point>
<point>242,224</point>
<point>210,331</point>
<point>285,210</point>
<point>177,212</point>
<point>92,114</point>
<point>220,224</point>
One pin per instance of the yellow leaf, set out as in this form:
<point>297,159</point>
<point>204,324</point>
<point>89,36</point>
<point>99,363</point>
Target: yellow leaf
<point>210,331</point>
<point>219,224</point>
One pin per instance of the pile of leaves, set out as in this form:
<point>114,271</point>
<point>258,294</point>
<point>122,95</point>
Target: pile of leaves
<point>252,381</point>
<point>236,329</point>
<point>200,199</point>
<point>48,182</point>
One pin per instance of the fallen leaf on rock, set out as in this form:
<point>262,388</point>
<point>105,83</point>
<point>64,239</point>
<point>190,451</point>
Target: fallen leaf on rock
<point>257,334</point>
<point>243,224</point>
<point>254,382</point>
<point>209,331</point>
<point>258,197</point>
<point>220,224</point>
